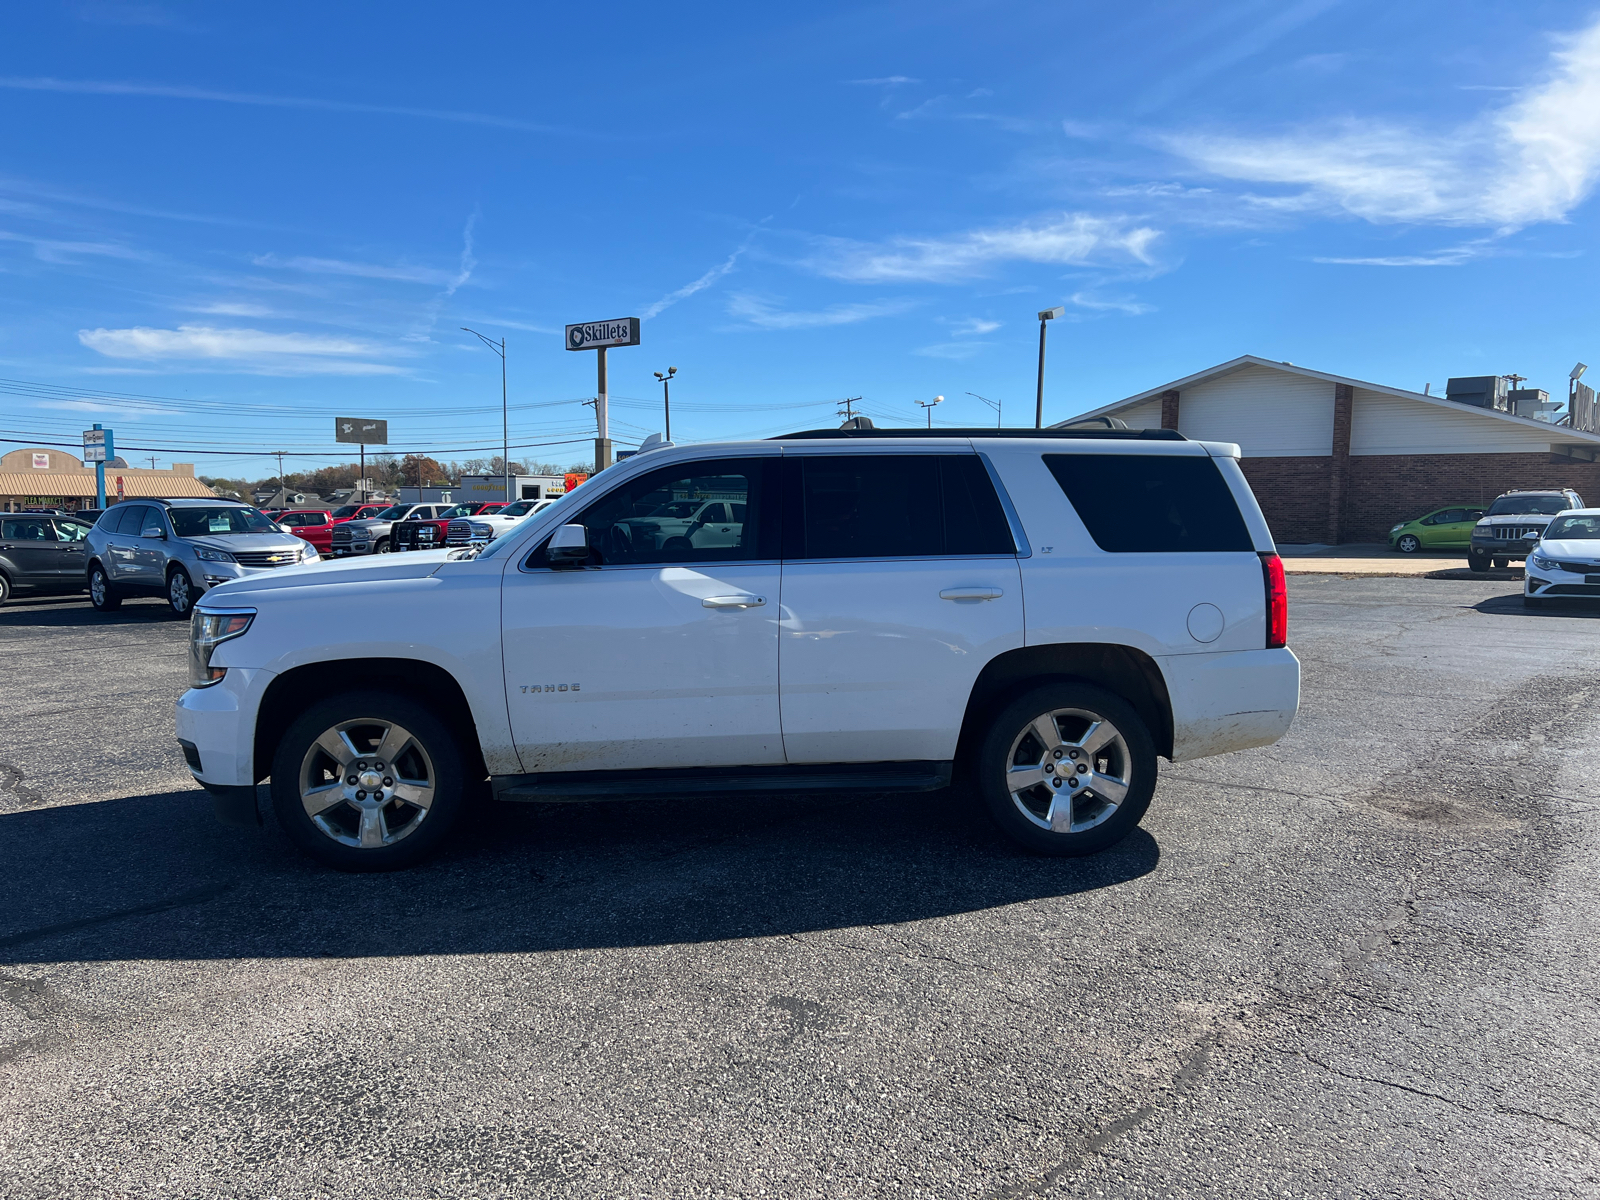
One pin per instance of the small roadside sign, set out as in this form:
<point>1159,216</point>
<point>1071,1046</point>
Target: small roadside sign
<point>596,335</point>
<point>94,445</point>
<point>361,430</point>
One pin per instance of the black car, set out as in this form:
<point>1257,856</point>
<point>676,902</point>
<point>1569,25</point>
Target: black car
<point>41,553</point>
<point>89,515</point>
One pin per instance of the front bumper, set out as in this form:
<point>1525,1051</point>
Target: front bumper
<point>219,722</point>
<point>1557,583</point>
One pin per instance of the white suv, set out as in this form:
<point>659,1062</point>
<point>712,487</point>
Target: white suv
<point>1037,614</point>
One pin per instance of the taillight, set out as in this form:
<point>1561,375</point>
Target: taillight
<point>1277,601</point>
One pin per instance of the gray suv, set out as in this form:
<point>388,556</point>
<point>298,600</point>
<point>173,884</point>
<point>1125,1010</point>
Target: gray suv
<point>177,549</point>
<point>1514,524</point>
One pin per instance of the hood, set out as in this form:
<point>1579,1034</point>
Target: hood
<point>417,565</point>
<point>364,523</point>
<point>247,542</point>
<point>1582,550</point>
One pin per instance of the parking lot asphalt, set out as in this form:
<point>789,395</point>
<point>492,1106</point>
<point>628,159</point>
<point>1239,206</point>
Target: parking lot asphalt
<point>1361,962</point>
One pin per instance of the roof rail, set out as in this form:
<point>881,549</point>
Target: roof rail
<point>1114,435</point>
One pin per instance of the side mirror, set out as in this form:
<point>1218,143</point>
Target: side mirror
<point>153,531</point>
<point>1531,537</point>
<point>568,547</point>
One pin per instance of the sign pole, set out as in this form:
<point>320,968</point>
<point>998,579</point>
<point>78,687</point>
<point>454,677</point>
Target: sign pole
<point>100,482</point>
<point>602,444</point>
<point>361,488</point>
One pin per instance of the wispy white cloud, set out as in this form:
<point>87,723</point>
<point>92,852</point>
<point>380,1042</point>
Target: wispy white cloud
<point>1535,159</point>
<point>224,308</point>
<point>398,272</point>
<point>99,87</point>
<point>886,81</point>
<point>1073,239</point>
<point>955,351</point>
<point>1453,256</point>
<point>54,250</point>
<point>272,353</point>
<point>1121,304</point>
<point>972,326</point>
<point>764,315</point>
<point>698,285</point>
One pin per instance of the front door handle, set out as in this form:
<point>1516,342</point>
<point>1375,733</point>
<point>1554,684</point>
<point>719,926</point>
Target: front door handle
<point>971,593</point>
<point>745,601</point>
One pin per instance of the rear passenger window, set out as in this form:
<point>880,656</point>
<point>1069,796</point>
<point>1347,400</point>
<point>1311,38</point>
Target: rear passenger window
<point>131,518</point>
<point>892,506</point>
<point>1151,503</point>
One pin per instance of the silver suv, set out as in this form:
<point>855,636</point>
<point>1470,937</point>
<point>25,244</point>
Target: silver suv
<point>179,549</point>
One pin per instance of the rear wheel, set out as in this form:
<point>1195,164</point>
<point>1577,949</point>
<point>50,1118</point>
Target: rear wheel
<point>102,595</point>
<point>5,589</point>
<point>1409,544</point>
<point>1067,769</point>
<point>367,781</point>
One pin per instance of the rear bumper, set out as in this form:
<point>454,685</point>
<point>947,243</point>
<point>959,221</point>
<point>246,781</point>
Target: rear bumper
<point>1230,701</point>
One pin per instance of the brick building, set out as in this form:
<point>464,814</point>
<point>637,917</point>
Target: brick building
<point>1338,460</point>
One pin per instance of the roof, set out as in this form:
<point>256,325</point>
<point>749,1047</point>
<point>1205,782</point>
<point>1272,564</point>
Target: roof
<point>139,485</point>
<point>1559,432</point>
<point>1055,431</point>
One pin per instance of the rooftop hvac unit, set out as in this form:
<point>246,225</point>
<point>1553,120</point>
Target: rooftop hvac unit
<point>1533,403</point>
<point>1480,391</point>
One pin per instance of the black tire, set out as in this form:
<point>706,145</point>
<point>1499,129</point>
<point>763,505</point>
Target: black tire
<point>1409,544</point>
<point>382,546</point>
<point>181,597</point>
<point>1476,562</point>
<point>366,717</point>
<point>1131,757</point>
<point>5,589</point>
<point>102,592</point>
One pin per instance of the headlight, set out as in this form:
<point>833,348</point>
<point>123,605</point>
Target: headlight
<point>481,531</point>
<point>1398,527</point>
<point>207,631</point>
<point>205,555</point>
<point>308,553</point>
<point>1544,564</point>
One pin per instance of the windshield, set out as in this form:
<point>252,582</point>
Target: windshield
<point>345,510</point>
<point>1544,506</point>
<point>678,508</point>
<point>520,509</point>
<point>393,514</point>
<point>200,522</point>
<point>460,510</point>
<point>1586,529</point>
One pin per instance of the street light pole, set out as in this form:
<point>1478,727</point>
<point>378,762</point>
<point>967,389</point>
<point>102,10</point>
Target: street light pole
<point>505,418</point>
<point>928,404</point>
<point>994,404</point>
<point>666,397</point>
<point>1049,314</point>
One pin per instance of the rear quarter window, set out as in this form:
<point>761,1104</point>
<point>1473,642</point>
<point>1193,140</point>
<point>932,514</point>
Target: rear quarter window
<point>1152,503</point>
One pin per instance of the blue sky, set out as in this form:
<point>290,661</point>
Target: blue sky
<point>272,215</point>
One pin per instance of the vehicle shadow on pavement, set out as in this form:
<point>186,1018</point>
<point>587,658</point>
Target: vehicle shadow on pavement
<point>1512,606</point>
<point>155,877</point>
<point>75,612</point>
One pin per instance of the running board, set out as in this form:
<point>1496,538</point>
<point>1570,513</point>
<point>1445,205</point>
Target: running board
<point>577,786</point>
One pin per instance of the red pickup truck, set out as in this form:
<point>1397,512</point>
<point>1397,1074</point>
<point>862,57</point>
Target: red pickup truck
<point>315,525</point>
<point>429,533</point>
<point>357,512</point>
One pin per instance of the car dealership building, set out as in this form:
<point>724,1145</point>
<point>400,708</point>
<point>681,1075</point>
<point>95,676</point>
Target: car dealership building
<point>1334,459</point>
<point>45,477</point>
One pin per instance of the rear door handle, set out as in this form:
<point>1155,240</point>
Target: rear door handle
<point>971,593</point>
<point>746,601</point>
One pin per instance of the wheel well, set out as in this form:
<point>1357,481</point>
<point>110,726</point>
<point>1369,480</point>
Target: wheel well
<point>1129,673</point>
<point>423,682</point>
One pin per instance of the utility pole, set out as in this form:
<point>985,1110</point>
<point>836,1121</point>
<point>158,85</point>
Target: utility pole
<point>152,462</point>
<point>928,404</point>
<point>848,413</point>
<point>1049,314</point>
<point>282,487</point>
<point>666,396</point>
<point>994,404</point>
<point>505,417</point>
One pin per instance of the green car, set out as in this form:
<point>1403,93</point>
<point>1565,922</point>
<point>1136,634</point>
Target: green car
<point>1442,529</point>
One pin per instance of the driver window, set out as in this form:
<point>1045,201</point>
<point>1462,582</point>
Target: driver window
<point>666,517</point>
<point>70,531</point>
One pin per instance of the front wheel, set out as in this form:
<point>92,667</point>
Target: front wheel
<point>180,593</point>
<point>367,781</point>
<point>1477,563</point>
<point>1067,769</point>
<point>382,547</point>
<point>1409,544</point>
<point>101,594</point>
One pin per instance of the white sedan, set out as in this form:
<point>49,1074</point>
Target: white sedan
<point>1565,564</point>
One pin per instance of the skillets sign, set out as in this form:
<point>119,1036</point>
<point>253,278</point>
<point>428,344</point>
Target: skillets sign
<point>594,335</point>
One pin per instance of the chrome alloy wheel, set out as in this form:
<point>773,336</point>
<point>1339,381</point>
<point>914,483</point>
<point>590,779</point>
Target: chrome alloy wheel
<point>180,593</point>
<point>367,783</point>
<point>1068,770</point>
<point>97,587</point>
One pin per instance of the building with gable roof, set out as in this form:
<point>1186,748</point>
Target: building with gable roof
<point>1334,459</point>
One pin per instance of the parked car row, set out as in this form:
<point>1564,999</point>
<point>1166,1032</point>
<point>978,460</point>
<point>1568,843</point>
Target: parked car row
<point>1493,535</point>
